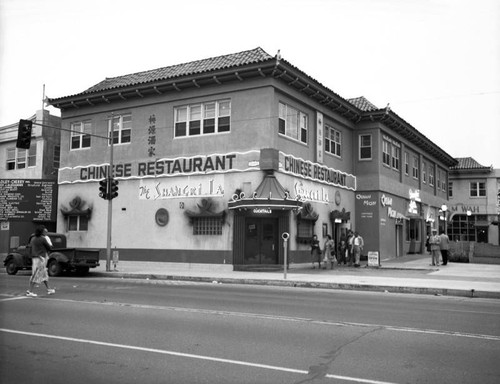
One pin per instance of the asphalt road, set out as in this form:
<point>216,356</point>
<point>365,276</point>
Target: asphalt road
<point>102,330</point>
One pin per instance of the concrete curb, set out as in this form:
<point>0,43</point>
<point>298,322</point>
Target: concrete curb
<point>308,284</point>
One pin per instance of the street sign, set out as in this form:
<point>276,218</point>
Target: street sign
<point>373,259</point>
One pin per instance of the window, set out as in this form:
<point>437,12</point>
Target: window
<point>450,189</point>
<point>292,123</point>
<point>365,147</point>
<point>407,164</point>
<point>431,175</point>
<point>18,158</point>
<point>386,155</point>
<point>305,229</point>
<point>80,134</point>
<point>477,189</point>
<point>396,154</point>
<point>207,226</point>
<point>11,159</point>
<point>416,171</point>
<point>57,157</point>
<point>78,223</point>
<point>468,228</point>
<point>424,172</point>
<point>122,127</point>
<point>333,141</point>
<point>202,119</point>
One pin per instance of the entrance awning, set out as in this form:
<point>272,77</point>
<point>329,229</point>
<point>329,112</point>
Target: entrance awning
<point>270,194</point>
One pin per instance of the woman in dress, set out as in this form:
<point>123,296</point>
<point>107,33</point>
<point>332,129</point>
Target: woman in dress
<point>39,248</point>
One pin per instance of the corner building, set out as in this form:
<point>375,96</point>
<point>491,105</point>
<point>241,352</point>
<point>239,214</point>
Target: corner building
<point>217,158</point>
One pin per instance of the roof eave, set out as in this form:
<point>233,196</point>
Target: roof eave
<point>403,128</point>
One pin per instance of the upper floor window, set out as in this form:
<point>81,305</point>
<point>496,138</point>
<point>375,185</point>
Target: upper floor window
<point>450,189</point>
<point>386,154</point>
<point>202,119</point>
<point>292,123</point>
<point>431,175</point>
<point>18,158</point>
<point>80,134</point>
<point>477,189</point>
<point>443,182</point>
<point>407,164</point>
<point>57,157</point>
<point>416,170</point>
<point>333,141</point>
<point>424,172</point>
<point>122,129</point>
<point>396,154</point>
<point>365,147</point>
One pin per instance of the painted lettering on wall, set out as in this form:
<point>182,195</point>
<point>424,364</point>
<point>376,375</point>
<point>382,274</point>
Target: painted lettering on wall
<point>200,186</point>
<point>163,167</point>
<point>386,201</point>
<point>317,172</point>
<point>367,199</point>
<point>465,208</point>
<point>311,192</point>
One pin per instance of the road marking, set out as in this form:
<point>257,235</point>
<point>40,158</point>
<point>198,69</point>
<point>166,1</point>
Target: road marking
<point>192,356</point>
<point>283,318</point>
<point>14,298</point>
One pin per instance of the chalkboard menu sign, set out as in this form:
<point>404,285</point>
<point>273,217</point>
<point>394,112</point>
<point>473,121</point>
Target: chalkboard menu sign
<point>28,200</point>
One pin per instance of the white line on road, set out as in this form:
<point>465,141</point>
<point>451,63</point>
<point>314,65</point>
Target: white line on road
<point>15,298</point>
<point>288,318</point>
<point>191,356</point>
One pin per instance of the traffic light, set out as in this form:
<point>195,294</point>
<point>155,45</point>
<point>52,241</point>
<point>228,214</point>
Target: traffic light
<point>24,134</point>
<point>103,189</point>
<point>113,190</point>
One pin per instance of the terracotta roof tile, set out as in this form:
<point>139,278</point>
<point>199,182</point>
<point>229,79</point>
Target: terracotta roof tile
<point>193,67</point>
<point>468,163</point>
<point>362,103</point>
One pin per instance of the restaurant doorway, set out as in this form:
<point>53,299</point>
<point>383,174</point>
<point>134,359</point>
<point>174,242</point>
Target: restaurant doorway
<point>261,241</point>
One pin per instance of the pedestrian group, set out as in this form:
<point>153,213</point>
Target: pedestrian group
<point>347,251</point>
<point>438,246</point>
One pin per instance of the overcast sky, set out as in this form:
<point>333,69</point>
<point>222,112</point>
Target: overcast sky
<point>437,62</point>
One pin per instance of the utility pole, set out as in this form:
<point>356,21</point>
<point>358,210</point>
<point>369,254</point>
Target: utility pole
<point>110,201</point>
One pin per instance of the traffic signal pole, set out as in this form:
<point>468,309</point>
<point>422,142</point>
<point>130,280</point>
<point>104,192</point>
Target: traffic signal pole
<point>110,201</point>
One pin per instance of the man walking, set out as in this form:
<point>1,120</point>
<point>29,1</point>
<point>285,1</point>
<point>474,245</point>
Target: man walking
<point>444,245</point>
<point>434,241</point>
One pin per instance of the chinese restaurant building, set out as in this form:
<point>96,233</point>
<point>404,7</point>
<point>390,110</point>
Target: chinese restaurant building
<point>217,158</point>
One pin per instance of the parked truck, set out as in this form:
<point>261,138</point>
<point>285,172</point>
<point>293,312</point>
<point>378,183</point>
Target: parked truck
<point>60,258</point>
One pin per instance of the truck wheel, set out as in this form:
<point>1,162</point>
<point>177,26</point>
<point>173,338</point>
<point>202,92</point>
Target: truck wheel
<point>11,267</point>
<point>54,268</point>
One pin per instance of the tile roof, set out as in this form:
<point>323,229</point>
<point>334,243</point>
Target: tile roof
<point>468,163</point>
<point>362,103</point>
<point>194,67</point>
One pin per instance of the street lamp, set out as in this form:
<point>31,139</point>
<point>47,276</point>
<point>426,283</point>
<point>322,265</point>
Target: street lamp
<point>469,213</point>
<point>444,209</point>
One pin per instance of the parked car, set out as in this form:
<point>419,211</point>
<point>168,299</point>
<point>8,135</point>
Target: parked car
<point>60,259</point>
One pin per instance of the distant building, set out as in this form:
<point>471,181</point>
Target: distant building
<point>28,181</point>
<point>217,158</point>
<point>474,206</point>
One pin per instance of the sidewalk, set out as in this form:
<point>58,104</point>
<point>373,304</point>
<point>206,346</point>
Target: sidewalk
<point>407,274</point>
